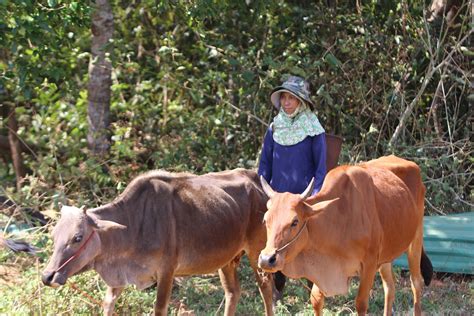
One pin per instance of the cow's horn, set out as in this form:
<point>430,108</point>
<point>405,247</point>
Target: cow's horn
<point>83,209</point>
<point>308,190</point>
<point>266,187</point>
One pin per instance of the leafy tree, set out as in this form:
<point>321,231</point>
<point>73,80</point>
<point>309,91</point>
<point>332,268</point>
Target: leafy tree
<point>39,46</point>
<point>190,84</point>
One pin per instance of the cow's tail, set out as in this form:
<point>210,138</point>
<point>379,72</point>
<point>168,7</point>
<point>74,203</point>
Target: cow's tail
<point>17,245</point>
<point>426,267</point>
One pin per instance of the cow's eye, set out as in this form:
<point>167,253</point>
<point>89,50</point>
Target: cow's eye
<point>294,223</point>
<point>77,238</point>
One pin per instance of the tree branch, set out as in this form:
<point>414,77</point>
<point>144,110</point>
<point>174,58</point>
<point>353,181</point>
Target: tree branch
<point>431,71</point>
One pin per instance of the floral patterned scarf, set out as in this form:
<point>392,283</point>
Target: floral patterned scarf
<point>292,129</point>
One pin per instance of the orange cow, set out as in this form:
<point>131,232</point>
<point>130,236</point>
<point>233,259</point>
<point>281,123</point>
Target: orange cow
<point>363,218</point>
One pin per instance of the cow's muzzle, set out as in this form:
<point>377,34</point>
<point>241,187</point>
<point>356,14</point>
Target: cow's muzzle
<point>53,279</point>
<point>268,262</point>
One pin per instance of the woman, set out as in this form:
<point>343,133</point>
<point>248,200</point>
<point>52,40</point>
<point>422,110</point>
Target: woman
<point>294,147</point>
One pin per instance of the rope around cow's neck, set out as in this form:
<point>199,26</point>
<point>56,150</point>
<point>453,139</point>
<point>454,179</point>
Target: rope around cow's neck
<point>293,240</point>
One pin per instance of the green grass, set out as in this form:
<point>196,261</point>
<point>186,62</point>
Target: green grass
<point>23,293</point>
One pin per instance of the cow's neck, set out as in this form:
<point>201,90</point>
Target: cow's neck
<point>121,260</point>
<point>115,240</point>
<point>317,254</point>
<point>314,267</point>
<point>111,212</point>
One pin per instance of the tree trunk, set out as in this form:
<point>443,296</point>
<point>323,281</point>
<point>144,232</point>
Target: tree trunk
<point>100,69</point>
<point>331,3</point>
<point>15,147</point>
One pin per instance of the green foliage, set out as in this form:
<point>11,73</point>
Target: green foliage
<point>191,83</point>
<point>39,43</point>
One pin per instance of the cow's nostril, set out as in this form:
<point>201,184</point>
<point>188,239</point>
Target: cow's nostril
<point>47,278</point>
<point>272,260</point>
<point>267,261</point>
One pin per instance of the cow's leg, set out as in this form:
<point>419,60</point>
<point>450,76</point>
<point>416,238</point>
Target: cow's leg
<point>265,283</point>
<point>230,283</point>
<point>317,300</point>
<point>164,285</point>
<point>366,282</point>
<point>388,287</point>
<point>414,259</point>
<point>111,297</point>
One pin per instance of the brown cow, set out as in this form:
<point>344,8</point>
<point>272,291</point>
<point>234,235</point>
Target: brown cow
<point>162,226</point>
<point>363,218</point>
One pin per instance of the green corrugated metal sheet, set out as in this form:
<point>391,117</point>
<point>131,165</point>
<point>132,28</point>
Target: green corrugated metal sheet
<point>449,243</point>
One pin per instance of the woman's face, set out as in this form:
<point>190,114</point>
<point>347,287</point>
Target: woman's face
<point>289,102</point>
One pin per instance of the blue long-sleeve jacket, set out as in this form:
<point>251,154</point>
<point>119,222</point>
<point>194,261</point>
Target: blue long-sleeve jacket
<point>291,168</point>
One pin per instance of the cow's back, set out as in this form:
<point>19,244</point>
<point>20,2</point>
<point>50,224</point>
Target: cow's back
<point>214,216</point>
<point>397,212</point>
<point>408,171</point>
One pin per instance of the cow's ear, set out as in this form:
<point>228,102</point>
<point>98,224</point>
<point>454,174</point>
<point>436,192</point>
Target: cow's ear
<point>103,225</point>
<point>311,210</point>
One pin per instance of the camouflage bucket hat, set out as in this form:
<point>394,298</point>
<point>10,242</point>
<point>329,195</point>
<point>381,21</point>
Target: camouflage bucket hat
<point>295,85</point>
